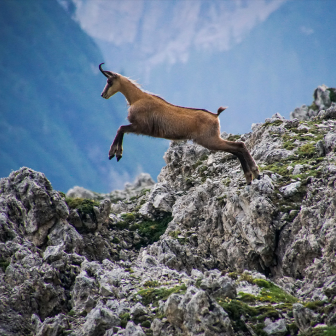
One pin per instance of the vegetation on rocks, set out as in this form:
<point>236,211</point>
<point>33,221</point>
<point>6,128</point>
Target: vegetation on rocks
<point>198,253</point>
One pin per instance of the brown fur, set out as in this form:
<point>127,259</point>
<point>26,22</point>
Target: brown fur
<point>153,116</point>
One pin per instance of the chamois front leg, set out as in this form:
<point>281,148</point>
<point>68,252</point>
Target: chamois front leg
<point>116,147</point>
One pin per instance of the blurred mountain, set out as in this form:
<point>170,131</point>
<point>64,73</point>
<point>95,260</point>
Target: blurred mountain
<point>257,57</point>
<point>52,116</point>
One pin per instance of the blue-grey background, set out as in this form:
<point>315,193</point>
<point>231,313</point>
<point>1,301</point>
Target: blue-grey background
<point>256,56</point>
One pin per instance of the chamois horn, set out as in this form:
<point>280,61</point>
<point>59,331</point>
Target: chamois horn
<point>102,71</point>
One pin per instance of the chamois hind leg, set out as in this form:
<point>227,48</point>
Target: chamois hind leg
<point>116,147</point>
<point>238,149</point>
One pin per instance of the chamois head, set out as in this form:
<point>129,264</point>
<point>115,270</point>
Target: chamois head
<point>112,86</point>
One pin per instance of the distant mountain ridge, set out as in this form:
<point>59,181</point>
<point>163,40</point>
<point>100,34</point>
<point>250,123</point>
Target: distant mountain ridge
<point>257,57</point>
<point>52,116</point>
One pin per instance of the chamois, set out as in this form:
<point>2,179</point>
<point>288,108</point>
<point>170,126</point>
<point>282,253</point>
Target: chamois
<point>151,115</point>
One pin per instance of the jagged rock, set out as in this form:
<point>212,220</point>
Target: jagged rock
<point>51,326</point>
<point>304,317</point>
<point>80,192</point>
<point>130,330</point>
<point>322,97</point>
<point>330,113</point>
<point>99,320</point>
<point>330,141</point>
<point>303,113</point>
<point>217,285</point>
<point>193,254</point>
<point>196,314</point>
<point>83,294</point>
<point>320,148</point>
<point>277,328</point>
<point>25,198</point>
<point>161,200</point>
<point>290,189</point>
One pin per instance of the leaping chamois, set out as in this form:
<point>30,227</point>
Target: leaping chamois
<point>151,115</point>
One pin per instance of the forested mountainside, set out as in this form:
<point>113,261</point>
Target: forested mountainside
<point>52,116</point>
<point>197,253</point>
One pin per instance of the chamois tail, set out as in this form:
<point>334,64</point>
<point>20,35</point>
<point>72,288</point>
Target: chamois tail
<point>221,109</point>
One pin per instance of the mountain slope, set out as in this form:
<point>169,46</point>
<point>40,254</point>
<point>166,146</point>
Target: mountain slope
<point>198,253</point>
<point>52,116</point>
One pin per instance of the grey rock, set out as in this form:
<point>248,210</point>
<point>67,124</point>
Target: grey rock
<point>52,326</point>
<point>290,189</point>
<point>63,272</point>
<point>303,113</point>
<point>320,148</point>
<point>161,199</point>
<point>277,155</point>
<point>330,113</point>
<point>98,321</point>
<point>297,169</point>
<point>303,316</point>
<point>218,286</point>
<point>196,313</point>
<point>330,141</point>
<point>138,310</point>
<point>83,294</point>
<point>275,328</point>
<point>322,97</point>
<point>33,197</point>
<point>131,330</point>
<point>80,192</point>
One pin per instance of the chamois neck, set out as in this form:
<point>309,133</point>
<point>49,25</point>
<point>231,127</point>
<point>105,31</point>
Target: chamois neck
<point>130,90</point>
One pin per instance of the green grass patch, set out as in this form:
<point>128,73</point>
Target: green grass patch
<point>233,275</point>
<point>149,230</point>
<point>83,205</point>
<point>289,145</point>
<point>4,264</point>
<point>326,331</point>
<point>153,230</point>
<point>277,122</point>
<point>275,294</point>
<point>269,291</point>
<point>235,309</point>
<point>246,297</point>
<point>154,295</point>
<point>151,283</point>
<point>233,137</point>
<point>124,318</point>
<point>307,151</point>
<point>198,282</point>
<point>332,94</point>
<point>314,305</point>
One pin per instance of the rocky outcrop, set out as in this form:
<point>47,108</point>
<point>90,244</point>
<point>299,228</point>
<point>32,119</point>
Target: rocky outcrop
<point>197,253</point>
<point>324,98</point>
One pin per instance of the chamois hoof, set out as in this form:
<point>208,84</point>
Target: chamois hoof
<point>119,157</point>
<point>111,157</point>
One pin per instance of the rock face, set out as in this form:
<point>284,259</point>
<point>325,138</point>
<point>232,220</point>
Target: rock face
<point>324,98</point>
<point>198,253</point>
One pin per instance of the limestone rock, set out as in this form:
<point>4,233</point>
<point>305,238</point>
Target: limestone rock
<point>198,253</point>
<point>196,314</point>
<point>275,328</point>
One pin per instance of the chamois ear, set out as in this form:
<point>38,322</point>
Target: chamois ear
<point>221,109</point>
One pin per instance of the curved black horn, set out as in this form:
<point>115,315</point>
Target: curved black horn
<point>102,71</point>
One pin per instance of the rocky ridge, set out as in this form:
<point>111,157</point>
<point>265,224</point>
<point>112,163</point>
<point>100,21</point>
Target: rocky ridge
<point>198,253</point>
